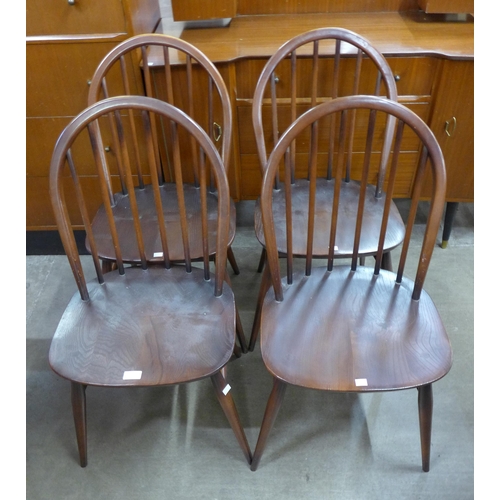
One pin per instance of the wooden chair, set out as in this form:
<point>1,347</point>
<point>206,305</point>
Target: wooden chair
<point>173,83</point>
<point>336,70</point>
<point>348,327</point>
<point>145,325</point>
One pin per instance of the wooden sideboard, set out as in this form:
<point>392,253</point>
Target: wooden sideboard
<point>66,40</point>
<point>431,55</point>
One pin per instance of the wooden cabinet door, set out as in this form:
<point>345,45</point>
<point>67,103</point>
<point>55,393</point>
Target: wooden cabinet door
<point>453,124</point>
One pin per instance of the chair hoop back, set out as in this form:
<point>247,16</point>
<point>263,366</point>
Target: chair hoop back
<point>406,122</point>
<point>63,155</point>
<point>336,42</point>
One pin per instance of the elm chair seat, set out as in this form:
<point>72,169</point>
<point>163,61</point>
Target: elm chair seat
<point>152,241</point>
<point>348,337</point>
<point>349,196</point>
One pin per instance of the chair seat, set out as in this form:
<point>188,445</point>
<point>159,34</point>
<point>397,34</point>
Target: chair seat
<point>149,225</point>
<point>346,221</point>
<point>161,322</point>
<point>352,331</point>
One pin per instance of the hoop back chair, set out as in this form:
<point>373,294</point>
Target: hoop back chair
<point>347,327</point>
<point>146,325</point>
<point>183,68</point>
<point>348,65</point>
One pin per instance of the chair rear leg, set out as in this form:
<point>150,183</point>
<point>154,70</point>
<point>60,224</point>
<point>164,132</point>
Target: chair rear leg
<point>386,261</point>
<point>78,402</point>
<point>262,261</point>
<point>239,326</point>
<point>264,286</point>
<point>425,405</point>
<point>232,260</point>
<point>272,408</point>
<point>229,408</point>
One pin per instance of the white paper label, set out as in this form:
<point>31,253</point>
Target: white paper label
<point>361,382</point>
<point>335,247</point>
<point>132,375</point>
<point>226,389</point>
<point>158,254</point>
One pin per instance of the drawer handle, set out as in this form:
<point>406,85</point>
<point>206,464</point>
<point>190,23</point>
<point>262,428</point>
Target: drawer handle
<point>71,2</point>
<point>450,126</point>
<point>397,78</point>
<point>217,130</point>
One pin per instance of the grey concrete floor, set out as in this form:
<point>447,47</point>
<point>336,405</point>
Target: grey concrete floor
<point>174,442</point>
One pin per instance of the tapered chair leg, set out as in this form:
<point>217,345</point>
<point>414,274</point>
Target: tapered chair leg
<point>262,261</point>
<point>272,408</point>
<point>425,405</point>
<point>239,326</point>
<point>78,402</point>
<point>229,408</point>
<point>232,260</point>
<point>386,261</point>
<point>264,286</point>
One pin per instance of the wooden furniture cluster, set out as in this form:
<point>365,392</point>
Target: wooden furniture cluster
<point>431,56</point>
<point>65,42</point>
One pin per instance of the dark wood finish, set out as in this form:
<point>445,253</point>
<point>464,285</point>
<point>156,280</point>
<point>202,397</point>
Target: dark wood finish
<point>352,328</point>
<point>210,99</point>
<point>172,323</point>
<point>324,86</point>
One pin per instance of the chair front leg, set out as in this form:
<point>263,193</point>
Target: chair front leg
<point>265,283</point>
<point>79,404</point>
<point>226,401</point>
<point>425,405</point>
<point>272,408</point>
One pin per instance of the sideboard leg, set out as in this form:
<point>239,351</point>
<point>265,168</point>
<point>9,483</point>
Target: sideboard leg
<point>449,216</point>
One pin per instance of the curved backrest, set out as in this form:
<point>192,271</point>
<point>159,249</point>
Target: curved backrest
<point>340,63</point>
<point>171,70</point>
<point>79,182</point>
<point>376,110</point>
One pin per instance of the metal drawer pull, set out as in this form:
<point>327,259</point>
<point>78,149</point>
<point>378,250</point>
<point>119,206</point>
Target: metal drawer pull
<point>217,132</point>
<point>452,122</point>
<point>71,2</point>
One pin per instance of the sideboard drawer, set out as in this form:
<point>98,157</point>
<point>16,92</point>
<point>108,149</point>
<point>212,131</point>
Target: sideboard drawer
<point>414,76</point>
<point>51,17</point>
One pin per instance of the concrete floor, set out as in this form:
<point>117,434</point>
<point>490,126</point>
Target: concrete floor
<point>174,442</point>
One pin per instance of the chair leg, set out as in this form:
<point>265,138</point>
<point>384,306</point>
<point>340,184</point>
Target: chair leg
<point>264,286</point>
<point>386,261</point>
<point>78,402</point>
<point>262,261</point>
<point>229,408</point>
<point>425,405</point>
<point>272,408</point>
<point>232,260</point>
<point>239,326</point>
<point>106,266</point>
